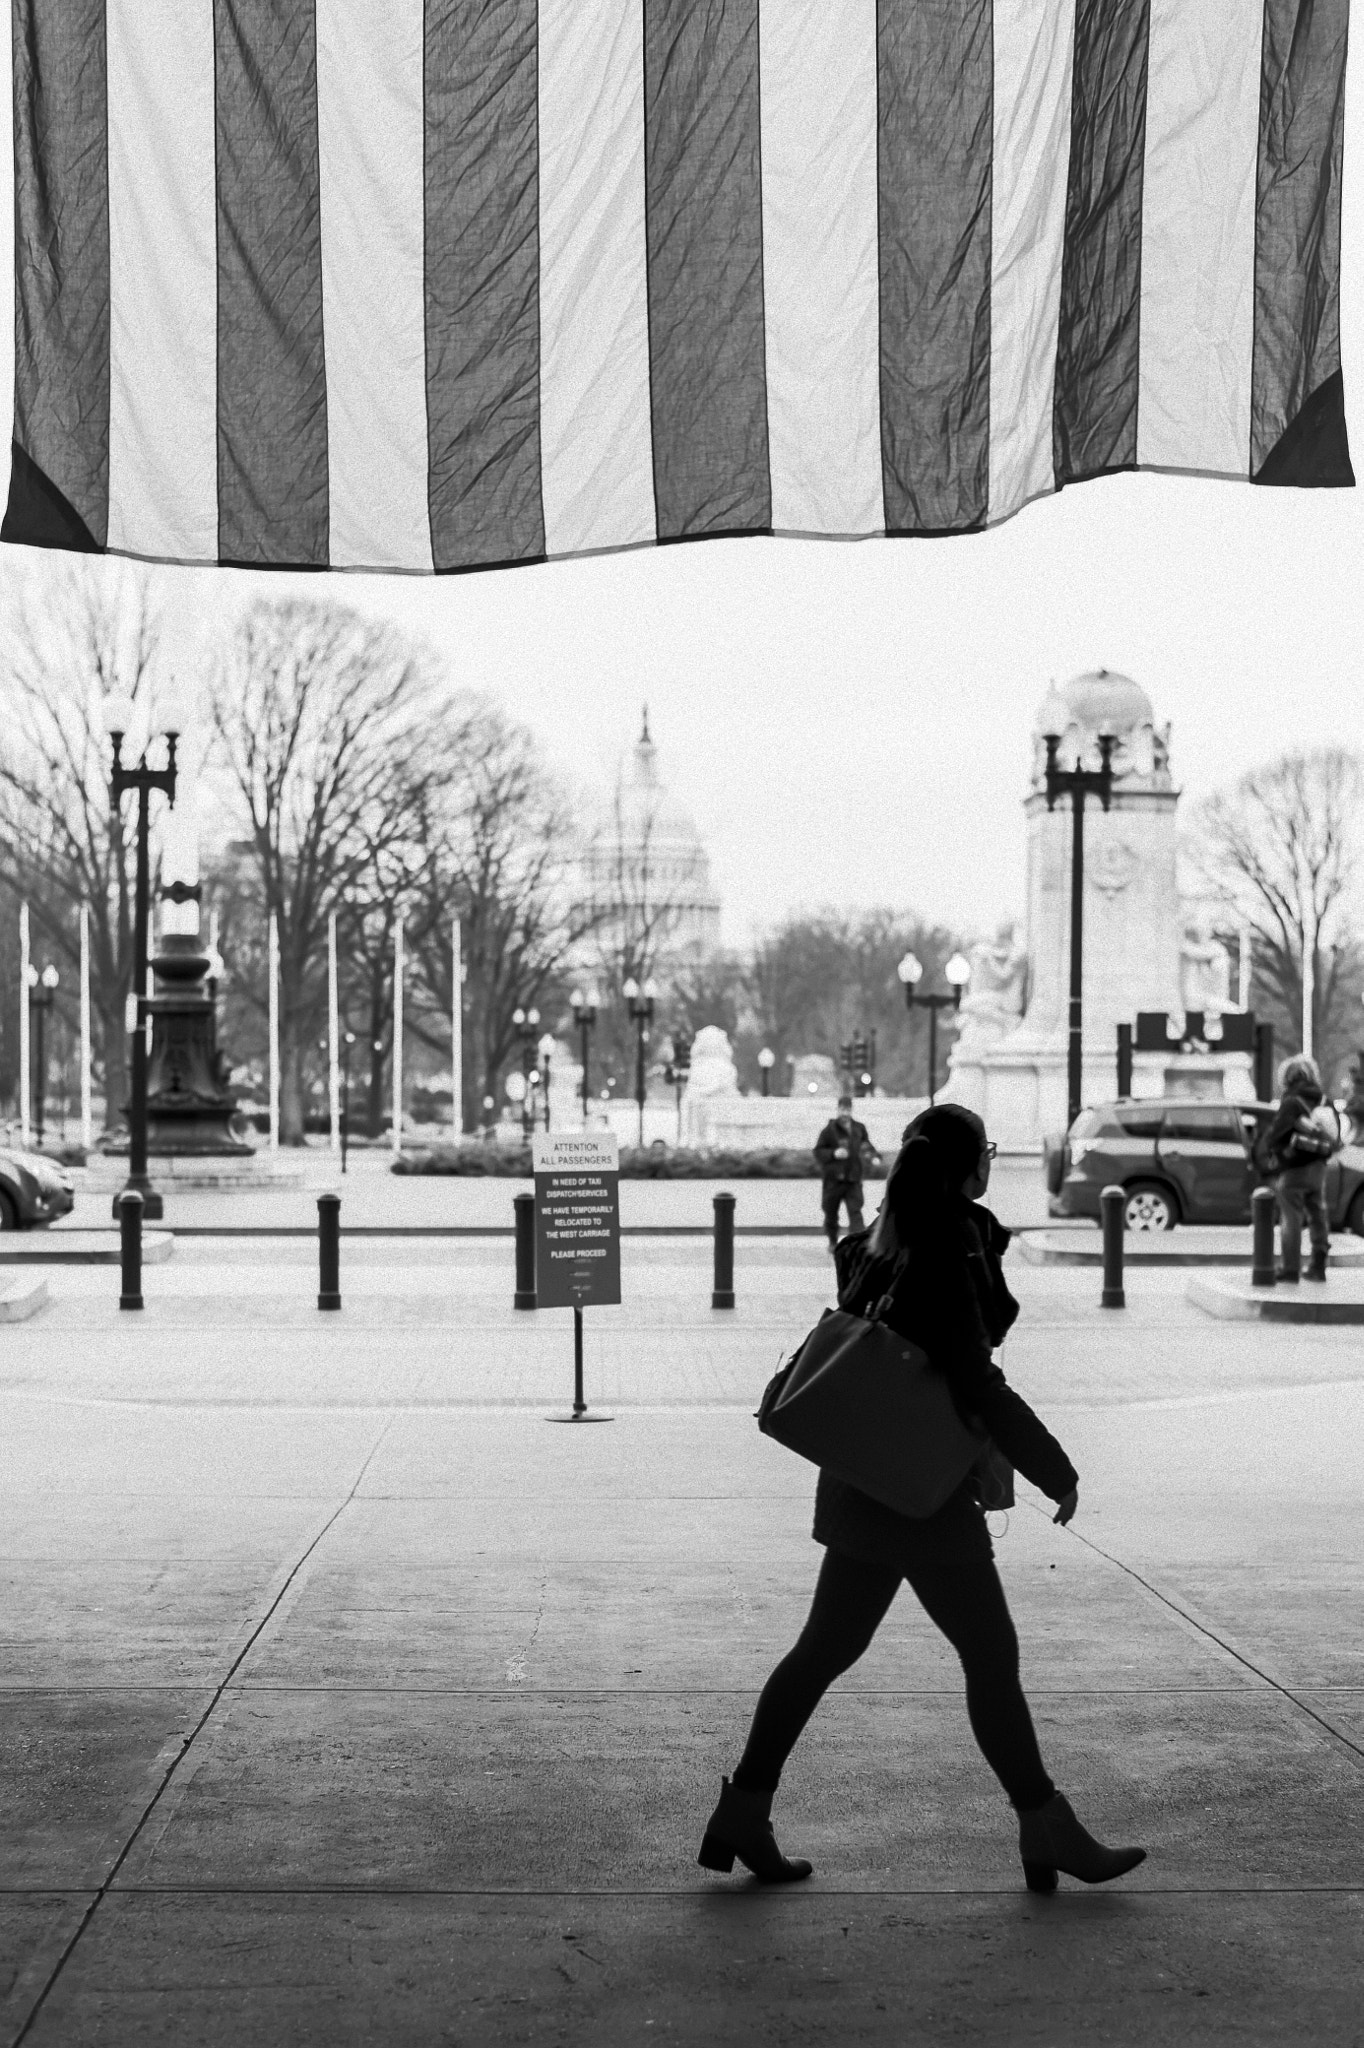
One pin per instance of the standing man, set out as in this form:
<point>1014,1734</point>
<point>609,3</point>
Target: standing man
<point>842,1149</point>
<point>1299,1143</point>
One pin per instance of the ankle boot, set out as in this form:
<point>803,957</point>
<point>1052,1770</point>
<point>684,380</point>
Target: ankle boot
<point>1316,1271</point>
<point>1051,1839</point>
<point>741,1826</point>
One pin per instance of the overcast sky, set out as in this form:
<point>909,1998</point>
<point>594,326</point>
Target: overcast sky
<point>849,723</point>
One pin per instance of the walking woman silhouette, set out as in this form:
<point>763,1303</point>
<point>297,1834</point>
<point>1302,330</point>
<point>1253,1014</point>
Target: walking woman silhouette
<point>937,1252</point>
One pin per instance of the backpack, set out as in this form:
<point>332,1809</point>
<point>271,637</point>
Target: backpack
<point>1320,1140</point>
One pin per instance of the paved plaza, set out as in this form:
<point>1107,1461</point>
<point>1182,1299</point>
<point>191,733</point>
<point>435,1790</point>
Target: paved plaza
<point>346,1700</point>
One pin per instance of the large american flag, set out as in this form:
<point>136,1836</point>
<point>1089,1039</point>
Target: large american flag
<point>451,284</point>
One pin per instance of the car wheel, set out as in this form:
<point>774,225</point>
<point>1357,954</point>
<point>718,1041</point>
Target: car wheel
<point>9,1215</point>
<point>1150,1207</point>
<point>1354,1216</point>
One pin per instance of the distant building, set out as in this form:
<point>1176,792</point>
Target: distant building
<point>646,874</point>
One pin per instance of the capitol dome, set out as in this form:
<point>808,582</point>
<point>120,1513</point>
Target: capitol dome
<point>647,875</point>
<point>1099,701</point>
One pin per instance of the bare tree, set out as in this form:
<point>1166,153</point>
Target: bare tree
<point>1282,850</point>
<point>503,858</point>
<point>318,716</point>
<point>71,638</point>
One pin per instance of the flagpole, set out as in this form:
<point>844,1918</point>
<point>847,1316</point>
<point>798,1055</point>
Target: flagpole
<point>25,1057</point>
<point>333,1039</point>
<point>87,1117</point>
<point>457,1030</point>
<point>274,1031</point>
<point>398,1038</point>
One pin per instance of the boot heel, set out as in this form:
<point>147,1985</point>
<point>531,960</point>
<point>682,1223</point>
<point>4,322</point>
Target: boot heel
<point>716,1855</point>
<point>1041,1877</point>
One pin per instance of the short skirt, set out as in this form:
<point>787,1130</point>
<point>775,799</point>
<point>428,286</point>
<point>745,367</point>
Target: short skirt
<point>850,1521</point>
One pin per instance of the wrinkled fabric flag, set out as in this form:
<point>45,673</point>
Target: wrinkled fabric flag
<point>438,285</point>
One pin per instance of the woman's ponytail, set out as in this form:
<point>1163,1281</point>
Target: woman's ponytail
<point>942,1148</point>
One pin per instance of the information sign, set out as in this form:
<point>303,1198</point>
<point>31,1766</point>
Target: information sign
<point>577,1219</point>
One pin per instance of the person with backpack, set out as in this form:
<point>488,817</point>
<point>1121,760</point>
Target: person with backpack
<point>1298,1145</point>
<point>843,1149</point>
<point>930,1269</point>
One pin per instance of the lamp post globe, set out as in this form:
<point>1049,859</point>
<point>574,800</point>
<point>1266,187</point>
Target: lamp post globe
<point>911,970</point>
<point>767,1059</point>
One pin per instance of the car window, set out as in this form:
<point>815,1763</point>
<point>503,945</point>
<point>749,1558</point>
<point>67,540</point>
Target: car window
<point>1142,1123</point>
<point>1202,1120</point>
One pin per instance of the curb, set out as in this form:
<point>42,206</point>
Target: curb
<point>21,1299</point>
<point>1240,1304</point>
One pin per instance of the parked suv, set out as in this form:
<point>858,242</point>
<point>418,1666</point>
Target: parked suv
<point>32,1190</point>
<point>1179,1161</point>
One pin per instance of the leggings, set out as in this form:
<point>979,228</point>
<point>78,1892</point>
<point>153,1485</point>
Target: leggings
<point>963,1595</point>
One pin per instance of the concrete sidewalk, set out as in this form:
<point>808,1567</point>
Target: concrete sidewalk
<point>346,1701</point>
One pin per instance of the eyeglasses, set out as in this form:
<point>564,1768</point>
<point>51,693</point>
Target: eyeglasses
<point>991,1149</point>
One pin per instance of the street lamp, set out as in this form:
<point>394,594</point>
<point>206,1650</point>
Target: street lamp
<point>585,1016</point>
<point>347,1041</point>
<point>678,1071</point>
<point>546,1054</point>
<point>1078,783</point>
<point>527,1023</point>
<point>118,717</point>
<point>41,991</point>
<point>641,1001</point>
<point>767,1059</point>
<point>956,973</point>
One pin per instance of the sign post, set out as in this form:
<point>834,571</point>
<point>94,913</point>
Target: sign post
<point>577,1234</point>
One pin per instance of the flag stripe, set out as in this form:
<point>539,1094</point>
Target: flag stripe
<point>704,219</point>
<point>1198,243</point>
<point>1034,65</point>
<point>1098,360</point>
<point>820,264</point>
<point>371,148</point>
<point>163,426</point>
<point>61,396</point>
<point>482,283</point>
<point>934,180</point>
<point>594,289</point>
<point>1297,252</point>
<point>272,380</point>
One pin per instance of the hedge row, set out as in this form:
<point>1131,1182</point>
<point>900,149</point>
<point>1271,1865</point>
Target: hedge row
<point>678,1163</point>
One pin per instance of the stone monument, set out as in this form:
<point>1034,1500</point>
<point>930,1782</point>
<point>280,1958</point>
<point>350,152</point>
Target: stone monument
<point>712,1083</point>
<point>1140,951</point>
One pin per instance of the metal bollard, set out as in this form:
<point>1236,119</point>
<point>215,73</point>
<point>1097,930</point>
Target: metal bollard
<point>130,1247</point>
<point>722,1295</point>
<point>1262,1212</point>
<point>329,1251</point>
<point>1111,1203</point>
<point>525,1252</point>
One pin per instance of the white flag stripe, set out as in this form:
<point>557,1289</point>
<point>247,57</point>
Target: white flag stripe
<point>371,148</point>
<point>821,278</point>
<point>1198,235</point>
<point>1034,44</point>
<point>596,444</point>
<point>163,342</point>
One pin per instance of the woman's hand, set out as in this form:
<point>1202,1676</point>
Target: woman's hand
<point>1066,1506</point>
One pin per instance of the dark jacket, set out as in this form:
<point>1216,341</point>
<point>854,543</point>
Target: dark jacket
<point>858,1141</point>
<point>949,1297</point>
<point>1294,1110</point>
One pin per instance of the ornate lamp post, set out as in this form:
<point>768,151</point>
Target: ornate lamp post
<point>767,1059</point>
<point>118,717</point>
<point>42,990</point>
<point>585,1016</point>
<point>678,1071</point>
<point>1077,783</point>
<point>527,1022</point>
<point>546,1050</point>
<point>956,973</point>
<point>641,1001</point>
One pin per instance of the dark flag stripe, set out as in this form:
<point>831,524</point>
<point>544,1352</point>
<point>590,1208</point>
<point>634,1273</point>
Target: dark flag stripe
<point>1098,359</point>
<point>272,381</point>
<point>483,283</point>
<point>935,184</point>
<point>1297,237</point>
<point>703,214</point>
<point>61,219</point>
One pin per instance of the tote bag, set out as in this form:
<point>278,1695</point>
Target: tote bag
<point>866,1405</point>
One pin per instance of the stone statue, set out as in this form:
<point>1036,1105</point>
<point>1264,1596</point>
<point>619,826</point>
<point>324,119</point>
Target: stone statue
<point>998,988</point>
<point>713,1077</point>
<point>1204,970</point>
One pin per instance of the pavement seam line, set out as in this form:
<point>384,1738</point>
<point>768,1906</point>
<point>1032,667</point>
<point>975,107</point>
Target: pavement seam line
<point>1346,1742</point>
<point>107,1883</point>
